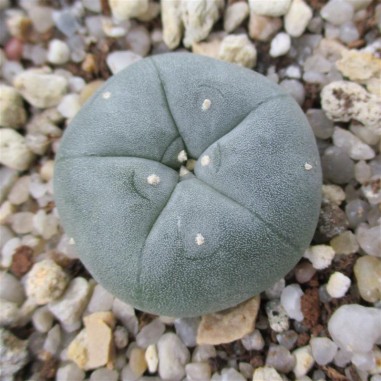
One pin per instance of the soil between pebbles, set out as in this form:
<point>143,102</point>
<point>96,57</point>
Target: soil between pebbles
<point>321,322</point>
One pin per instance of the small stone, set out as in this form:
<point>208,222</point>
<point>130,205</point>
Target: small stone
<point>126,315</point>
<point>263,28</point>
<point>323,350</point>
<point>120,337</point>
<point>234,15</point>
<point>77,350</point>
<point>199,371</point>
<point>344,323</point>
<point>69,105</point>
<point>152,358</point>
<point>253,341</point>
<point>295,88</point>
<point>266,373</point>
<point>93,6</point>
<point>277,315</point>
<point>9,249</point>
<point>101,300</point>
<point>280,45</point>
<point>186,329</point>
<point>8,177</point>
<point>138,40</point>
<point>228,374</point>
<point>70,372</point>
<point>45,225</point>
<point>369,239</point>
<point>320,256</point>
<point>41,88</point>
<point>173,356</point>
<point>303,361</point>
<point>272,8</point>
<point>172,23</point>
<point>359,66</point>
<point>151,13</point>
<point>119,60</point>
<point>103,374</point>
<point>356,211</point>
<point>304,271</point>
<point>321,125</point>
<point>291,299</point>
<point>198,17</point>
<point>337,166</point>
<point>12,112</point>
<point>280,358</point>
<point>58,52</point>
<point>276,289</point>
<point>238,49</point>
<point>287,339</point>
<point>206,104</point>
<point>150,334</point>
<point>228,325</point>
<point>89,90</point>
<point>46,281</point>
<point>338,285</point>
<point>344,243</point>
<point>372,189</point>
<point>297,18</point>
<point>42,319</point>
<point>13,354</point>
<point>363,172</point>
<point>9,313</point>
<point>47,170</point>
<point>203,353</point>
<point>123,10</point>
<point>137,361</point>
<point>343,101</point>
<point>41,18</point>
<point>333,194</point>
<point>337,12</point>
<point>19,193</point>
<point>70,306</point>
<point>53,340</point>
<point>348,32</point>
<point>352,145</point>
<point>14,152</point>
<point>22,222</point>
<point>332,221</point>
<point>367,270</point>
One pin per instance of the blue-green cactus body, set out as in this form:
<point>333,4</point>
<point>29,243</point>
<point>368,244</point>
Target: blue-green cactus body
<point>184,246</point>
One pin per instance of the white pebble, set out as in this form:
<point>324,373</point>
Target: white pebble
<point>297,18</point>
<point>304,361</point>
<point>22,222</point>
<point>14,152</point>
<point>150,334</point>
<point>8,251</point>
<point>120,337</point>
<point>320,256</point>
<point>9,313</point>
<point>205,160</point>
<point>343,326</point>
<point>280,45</point>
<point>69,105</point>
<point>19,193</point>
<point>291,301</point>
<point>119,60</point>
<point>40,87</point>
<point>307,166</point>
<point>266,373</point>
<point>42,319</point>
<point>323,349</point>
<point>272,8</point>
<point>101,300</point>
<point>58,52</point>
<point>338,284</point>
<point>198,371</point>
<point>53,340</point>
<point>337,12</point>
<point>123,10</point>
<point>253,341</point>
<point>69,307</point>
<point>234,15</point>
<point>153,179</point>
<point>70,372</point>
<point>106,95</point>
<point>46,281</point>
<point>238,49</point>
<point>45,225</point>
<point>103,374</point>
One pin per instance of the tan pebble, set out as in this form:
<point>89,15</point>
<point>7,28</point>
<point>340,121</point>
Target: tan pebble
<point>368,275</point>
<point>89,90</point>
<point>47,170</point>
<point>138,362</point>
<point>228,325</point>
<point>77,350</point>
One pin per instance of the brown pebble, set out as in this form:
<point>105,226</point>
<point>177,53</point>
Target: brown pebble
<point>303,339</point>
<point>49,368</point>
<point>257,360</point>
<point>310,305</point>
<point>22,261</point>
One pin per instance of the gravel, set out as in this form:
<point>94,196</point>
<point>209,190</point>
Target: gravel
<point>319,322</point>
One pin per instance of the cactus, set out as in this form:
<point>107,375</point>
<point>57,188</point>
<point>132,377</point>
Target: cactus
<point>169,238</point>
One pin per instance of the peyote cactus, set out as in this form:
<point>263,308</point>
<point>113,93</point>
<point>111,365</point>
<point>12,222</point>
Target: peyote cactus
<point>176,242</point>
